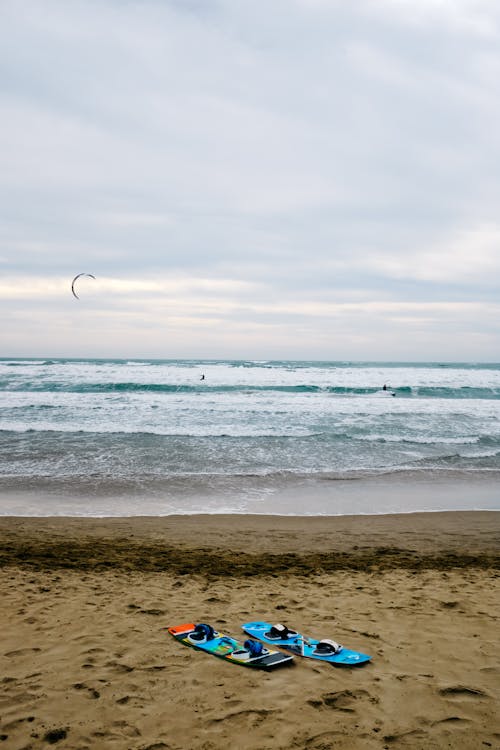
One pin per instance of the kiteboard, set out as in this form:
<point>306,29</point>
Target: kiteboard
<point>324,650</point>
<point>248,654</point>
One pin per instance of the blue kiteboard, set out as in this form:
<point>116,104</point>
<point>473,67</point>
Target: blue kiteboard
<point>248,654</point>
<point>324,650</point>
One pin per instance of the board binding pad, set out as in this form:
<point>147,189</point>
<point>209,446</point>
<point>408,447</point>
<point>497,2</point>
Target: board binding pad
<point>326,650</point>
<point>249,654</point>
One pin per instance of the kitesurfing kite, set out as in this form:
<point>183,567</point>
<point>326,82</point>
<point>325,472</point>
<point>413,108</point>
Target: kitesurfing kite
<point>74,280</point>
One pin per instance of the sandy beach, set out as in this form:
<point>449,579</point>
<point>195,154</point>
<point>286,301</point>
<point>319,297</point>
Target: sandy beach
<point>86,661</point>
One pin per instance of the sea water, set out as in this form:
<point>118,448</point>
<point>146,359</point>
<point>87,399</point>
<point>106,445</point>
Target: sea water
<point>151,437</point>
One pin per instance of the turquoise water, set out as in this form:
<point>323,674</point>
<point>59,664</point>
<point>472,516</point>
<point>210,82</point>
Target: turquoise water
<point>140,429</point>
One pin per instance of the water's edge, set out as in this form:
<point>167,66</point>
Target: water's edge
<point>306,496</point>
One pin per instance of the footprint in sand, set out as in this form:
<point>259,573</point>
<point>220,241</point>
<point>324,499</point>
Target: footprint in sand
<point>342,700</point>
<point>119,667</point>
<point>17,722</point>
<point>461,691</point>
<point>55,735</point>
<point>135,700</point>
<point>93,693</point>
<point>22,652</point>
<point>402,735</point>
<point>452,720</point>
<point>322,741</point>
<point>247,719</point>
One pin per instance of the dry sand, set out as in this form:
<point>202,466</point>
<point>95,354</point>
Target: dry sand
<point>86,662</point>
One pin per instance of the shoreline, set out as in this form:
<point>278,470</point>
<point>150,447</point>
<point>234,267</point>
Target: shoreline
<point>296,496</point>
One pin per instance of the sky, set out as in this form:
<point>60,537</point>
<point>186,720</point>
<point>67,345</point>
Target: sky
<point>279,179</point>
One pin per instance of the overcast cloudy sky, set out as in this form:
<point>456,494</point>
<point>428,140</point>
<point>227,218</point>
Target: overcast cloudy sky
<point>250,179</point>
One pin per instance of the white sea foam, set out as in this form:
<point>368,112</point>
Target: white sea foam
<point>142,421</point>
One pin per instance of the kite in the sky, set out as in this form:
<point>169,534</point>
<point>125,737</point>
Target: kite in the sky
<point>77,277</point>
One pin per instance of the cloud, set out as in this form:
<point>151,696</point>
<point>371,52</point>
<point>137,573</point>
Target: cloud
<point>470,256</point>
<point>298,157</point>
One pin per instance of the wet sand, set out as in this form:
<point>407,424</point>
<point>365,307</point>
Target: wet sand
<point>86,661</point>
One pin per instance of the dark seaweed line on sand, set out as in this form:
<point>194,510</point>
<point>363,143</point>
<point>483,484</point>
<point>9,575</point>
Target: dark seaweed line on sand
<point>121,554</point>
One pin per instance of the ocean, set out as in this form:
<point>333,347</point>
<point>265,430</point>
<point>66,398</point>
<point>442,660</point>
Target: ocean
<point>91,437</point>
